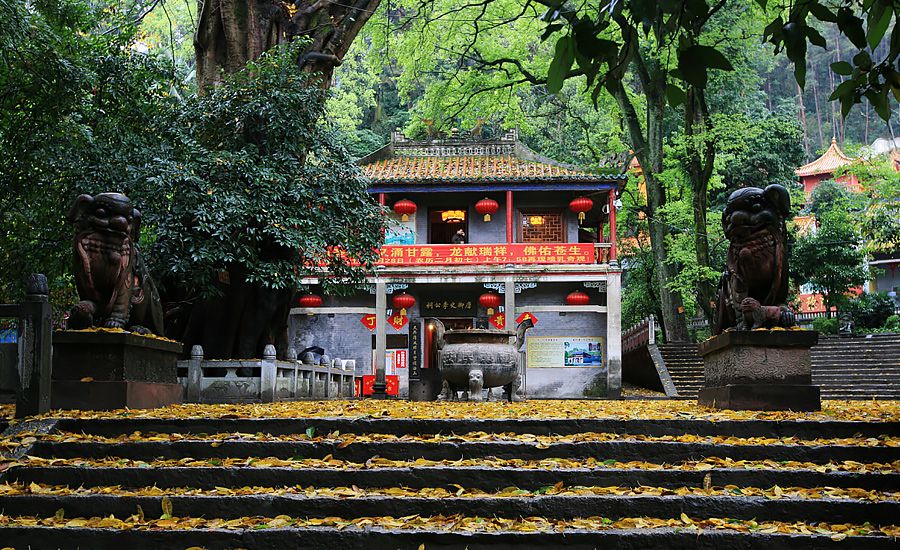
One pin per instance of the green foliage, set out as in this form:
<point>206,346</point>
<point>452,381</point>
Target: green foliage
<point>829,259</point>
<point>826,325</point>
<point>871,310</point>
<point>246,178</point>
<point>78,113</point>
<point>753,152</point>
<point>873,79</point>
<point>892,324</point>
<point>830,196</point>
<point>879,219</point>
<point>259,183</point>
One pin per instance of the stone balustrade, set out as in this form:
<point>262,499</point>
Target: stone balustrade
<point>263,380</point>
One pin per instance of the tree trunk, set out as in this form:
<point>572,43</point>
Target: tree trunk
<point>815,90</point>
<point>648,149</point>
<point>699,167</point>
<point>232,32</point>
<point>803,121</point>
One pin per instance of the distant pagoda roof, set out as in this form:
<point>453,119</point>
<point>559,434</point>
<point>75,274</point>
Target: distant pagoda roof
<point>462,161</point>
<point>831,160</point>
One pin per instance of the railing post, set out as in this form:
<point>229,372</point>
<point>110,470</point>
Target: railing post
<point>651,328</point>
<point>195,375</point>
<point>35,349</point>
<point>267,374</point>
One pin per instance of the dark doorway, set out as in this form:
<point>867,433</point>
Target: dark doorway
<point>443,224</point>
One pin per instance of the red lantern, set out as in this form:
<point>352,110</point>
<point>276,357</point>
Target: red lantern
<point>405,208</point>
<point>403,302</point>
<point>310,300</point>
<point>490,300</point>
<point>578,298</point>
<point>580,205</point>
<point>486,207</point>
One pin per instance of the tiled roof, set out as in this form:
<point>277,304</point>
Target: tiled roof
<point>831,160</point>
<point>460,169</point>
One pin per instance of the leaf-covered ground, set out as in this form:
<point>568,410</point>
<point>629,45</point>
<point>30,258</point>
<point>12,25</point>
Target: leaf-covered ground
<point>837,531</point>
<point>773,493</point>
<point>867,411</point>
<point>590,463</point>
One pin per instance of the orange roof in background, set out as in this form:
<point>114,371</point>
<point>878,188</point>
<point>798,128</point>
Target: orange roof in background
<point>409,169</point>
<point>831,160</point>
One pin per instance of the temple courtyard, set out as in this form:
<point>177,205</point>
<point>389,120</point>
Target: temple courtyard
<point>399,474</point>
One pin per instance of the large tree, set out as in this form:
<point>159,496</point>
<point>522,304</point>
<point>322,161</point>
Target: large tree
<point>232,32</point>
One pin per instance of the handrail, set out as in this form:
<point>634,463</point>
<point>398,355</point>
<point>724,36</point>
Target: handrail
<point>641,334</point>
<point>34,349</point>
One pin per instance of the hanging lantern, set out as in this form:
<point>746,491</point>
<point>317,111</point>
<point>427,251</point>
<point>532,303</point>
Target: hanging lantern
<point>405,208</point>
<point>490,300</point>
<point>310,301</point>
<point>580,205</point>
<point>486,207</point>
<point>403,302</point>
<point>578,298</point>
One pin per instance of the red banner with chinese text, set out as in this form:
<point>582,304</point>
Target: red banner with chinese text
<point>461,254</point>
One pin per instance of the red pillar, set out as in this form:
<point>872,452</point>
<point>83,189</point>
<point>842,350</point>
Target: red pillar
<point>612,225</point>
<point>381,199</point>
<point>509,217</point>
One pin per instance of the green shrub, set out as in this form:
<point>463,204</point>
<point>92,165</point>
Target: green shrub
<point>870,311</point>
<point>892,324</point>
<point>825,325</point>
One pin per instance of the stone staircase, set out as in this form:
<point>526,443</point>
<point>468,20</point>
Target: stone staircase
<point>408,483</point>
<point>685,367</point>
<point>857,367</point>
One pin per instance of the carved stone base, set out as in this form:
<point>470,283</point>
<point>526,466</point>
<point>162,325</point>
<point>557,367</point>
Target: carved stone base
<point>759,370</point>
<point>110,370</point>
<point>762,397</point>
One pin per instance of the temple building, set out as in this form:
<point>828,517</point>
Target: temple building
<point>823,169</point>
<point>481,234</point>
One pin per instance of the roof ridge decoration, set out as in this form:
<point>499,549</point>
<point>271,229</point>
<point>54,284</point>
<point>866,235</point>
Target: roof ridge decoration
<point>832,159</point>
<point>454,147</point>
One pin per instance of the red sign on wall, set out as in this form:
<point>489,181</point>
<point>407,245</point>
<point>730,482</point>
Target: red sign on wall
<point>398,321</point>
<point>526,315</point>
<point>498,320</point>
<point>518,253</point>
<point>369,321</point>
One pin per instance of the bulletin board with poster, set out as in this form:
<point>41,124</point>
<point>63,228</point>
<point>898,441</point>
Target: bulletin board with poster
<point>564,351</point>
<point>398,232</point>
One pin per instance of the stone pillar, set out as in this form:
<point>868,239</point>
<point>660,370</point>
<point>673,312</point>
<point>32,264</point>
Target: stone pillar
<point>612,226</point>
<point>380,388</point>
<point>510,237</point>
<point>35,334</point>
<point>614,334</point>
<point>267,375</point>
<point>195,375</point>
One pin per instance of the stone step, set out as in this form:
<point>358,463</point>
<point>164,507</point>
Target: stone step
<point>360,452</point>
<point>494,478</point>
<point>680,538</point>
<point>804,429</point>
<point>760,508</point>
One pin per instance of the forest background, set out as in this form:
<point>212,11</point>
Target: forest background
<point>486,67</point>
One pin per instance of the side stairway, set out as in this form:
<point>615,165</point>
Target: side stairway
<point>685,367</point>
<point>373,483</point>
<point>862,367</point>
<point>858,367</point>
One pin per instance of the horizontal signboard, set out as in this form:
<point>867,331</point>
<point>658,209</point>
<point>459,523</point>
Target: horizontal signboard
<point>461,254</point>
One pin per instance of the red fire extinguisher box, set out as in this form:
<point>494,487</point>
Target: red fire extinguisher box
<point>392,381</point>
